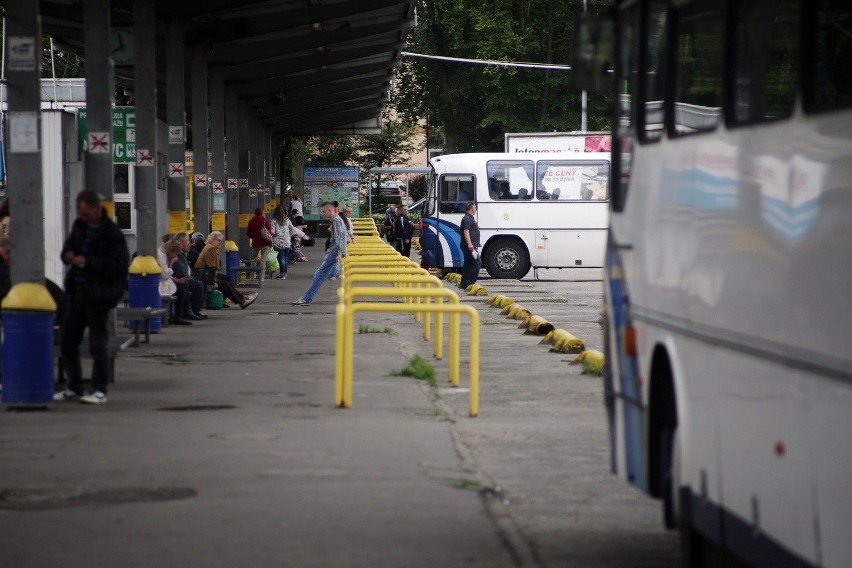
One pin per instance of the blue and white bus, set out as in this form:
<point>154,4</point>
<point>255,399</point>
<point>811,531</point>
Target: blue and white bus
<point>728,384</point>
<point>534,211</point>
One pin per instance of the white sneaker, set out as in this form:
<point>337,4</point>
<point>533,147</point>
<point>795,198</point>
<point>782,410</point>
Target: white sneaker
<point>96,397</point>
<point>66,394</point>
<point>301,302</point>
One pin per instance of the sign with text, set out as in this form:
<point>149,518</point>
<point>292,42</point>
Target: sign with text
<point>123,134</point>
<point>330,184</point>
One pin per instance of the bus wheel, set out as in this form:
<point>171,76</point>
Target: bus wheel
<point>507,258</point>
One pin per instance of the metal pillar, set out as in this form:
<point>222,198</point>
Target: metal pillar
<point>232,155</point>
<point>201,193</point>
<point>23,140</point>
<point>252,168</point>
<point>100,90</point>
<point>245,162</point>
<point>145,94</point>
<point>176,117</point>
<point>217,149</point>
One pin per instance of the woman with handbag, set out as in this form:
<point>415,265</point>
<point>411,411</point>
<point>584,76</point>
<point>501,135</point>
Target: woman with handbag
<point>259,230</point>
<point>282,230</point>
<point>210,260</point>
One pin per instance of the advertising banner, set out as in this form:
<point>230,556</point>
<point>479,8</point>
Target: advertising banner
<point>330,184</point>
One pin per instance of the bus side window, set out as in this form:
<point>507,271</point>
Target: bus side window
<point>699,69</point>
<point>827,81</point>
<point>627,71</point>
<point>654,71</point>
<point>766,61</point>
<point>512,179</point>
<point>572,180</point>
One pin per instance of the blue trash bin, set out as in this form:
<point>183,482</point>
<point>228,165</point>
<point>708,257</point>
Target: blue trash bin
<point>144,292</point>
<point>232,260</point>
<point>28,314</point>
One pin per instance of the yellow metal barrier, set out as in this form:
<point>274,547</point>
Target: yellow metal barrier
<point>427,279</point>
<point>343,389</point>
<point>371,261</point>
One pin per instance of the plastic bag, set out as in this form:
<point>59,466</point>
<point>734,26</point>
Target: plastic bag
<point>272,261</point>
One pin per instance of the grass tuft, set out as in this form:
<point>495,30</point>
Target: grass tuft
<point>370,329</point>
<point>419,369</point>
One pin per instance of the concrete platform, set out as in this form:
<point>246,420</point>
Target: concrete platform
<point>220,446</point>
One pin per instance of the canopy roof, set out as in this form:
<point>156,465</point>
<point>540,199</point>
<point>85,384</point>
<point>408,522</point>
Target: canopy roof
<point>303,66</point>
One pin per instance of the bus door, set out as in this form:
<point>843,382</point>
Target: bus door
<point>445,245</point>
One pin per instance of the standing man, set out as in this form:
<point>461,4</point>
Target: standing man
<point>336,252</point>
<point>97,253</point>
<point>470,240</point>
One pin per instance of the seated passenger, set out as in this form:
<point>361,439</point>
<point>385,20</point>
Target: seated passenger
<point>505,191</point>
<point>210,258</point>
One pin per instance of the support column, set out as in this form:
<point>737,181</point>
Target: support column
<point>246,209</point>
<point>100,92</point>
<point>252,168</point>
<point>232,156</point>
<point>201,193</point>
<point>23,139</point>
<point>145,94</point>
<point>217,148</point>
<point>176,117</point>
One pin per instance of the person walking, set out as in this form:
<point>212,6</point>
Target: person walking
<point>388,222</point>
<point>470,244</point>
<point>260,240</point>
<point>403,230</point>
<point>96,251</point>
<point>282,236</point>
<point>335,254</point>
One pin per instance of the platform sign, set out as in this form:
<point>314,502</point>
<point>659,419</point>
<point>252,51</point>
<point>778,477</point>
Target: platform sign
<point>218,196</point>
<point>330,184</point>
<point>123,134</point>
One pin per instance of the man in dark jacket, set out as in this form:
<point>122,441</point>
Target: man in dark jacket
<point>403,230</point>
<point>97,254</point>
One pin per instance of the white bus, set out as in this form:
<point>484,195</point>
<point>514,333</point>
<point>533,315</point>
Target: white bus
<point>534,211</point>
<point>729,274</point>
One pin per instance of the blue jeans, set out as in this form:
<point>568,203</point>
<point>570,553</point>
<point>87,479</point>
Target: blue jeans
<point>320,275</point>
<point>283,257</point>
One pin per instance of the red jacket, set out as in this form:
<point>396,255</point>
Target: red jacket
<point>253,231</point>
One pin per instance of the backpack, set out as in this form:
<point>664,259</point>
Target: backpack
<point>215,300</point>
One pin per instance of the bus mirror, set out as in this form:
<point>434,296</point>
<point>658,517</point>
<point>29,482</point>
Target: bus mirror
<point>592,51</point>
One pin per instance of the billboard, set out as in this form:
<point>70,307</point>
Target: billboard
<point>338,183</point>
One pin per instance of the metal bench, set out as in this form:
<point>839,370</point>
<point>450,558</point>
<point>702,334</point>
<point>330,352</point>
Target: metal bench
<point>142,317</point>
<point>254,271</point>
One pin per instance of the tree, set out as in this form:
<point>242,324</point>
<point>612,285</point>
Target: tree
<point>393,147</point>
<point>473,106</point>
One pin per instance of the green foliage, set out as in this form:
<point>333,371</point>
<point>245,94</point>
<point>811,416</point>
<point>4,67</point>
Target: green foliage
<point>419,369</point>
<point>471,107</point>
<point>68,65</point>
